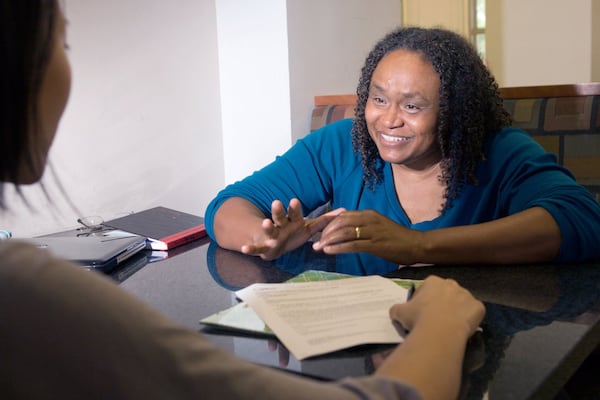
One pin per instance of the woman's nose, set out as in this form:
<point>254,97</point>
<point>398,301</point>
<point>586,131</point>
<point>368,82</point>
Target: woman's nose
<point>393,117</point>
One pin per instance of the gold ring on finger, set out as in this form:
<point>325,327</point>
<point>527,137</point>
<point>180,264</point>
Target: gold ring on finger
<point>357,231</point>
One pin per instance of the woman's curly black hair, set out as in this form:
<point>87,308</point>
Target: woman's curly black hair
<point>470,112</point>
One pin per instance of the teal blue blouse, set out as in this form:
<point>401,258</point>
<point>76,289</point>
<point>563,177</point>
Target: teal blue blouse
<point>517,174</point>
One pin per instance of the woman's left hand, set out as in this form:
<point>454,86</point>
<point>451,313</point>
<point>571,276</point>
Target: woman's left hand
<point>370,232</point>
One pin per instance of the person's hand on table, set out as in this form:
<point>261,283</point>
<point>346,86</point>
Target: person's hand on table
<point>370,232</point>
<point>441,301</point>
<point>441,316</point>
<point>286,231</point>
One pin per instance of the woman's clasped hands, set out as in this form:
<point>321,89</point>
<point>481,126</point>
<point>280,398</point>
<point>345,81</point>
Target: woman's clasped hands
<point>340,231</point>
<point>287,230</point>
<point>370,232</point>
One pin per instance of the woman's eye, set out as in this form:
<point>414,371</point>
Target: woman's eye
<point>412,108</point>
<point>378,100</point>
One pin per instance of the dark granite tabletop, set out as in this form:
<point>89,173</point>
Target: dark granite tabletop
<point>541,321</point>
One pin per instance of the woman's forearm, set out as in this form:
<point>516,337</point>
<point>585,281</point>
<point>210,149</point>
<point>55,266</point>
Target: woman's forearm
<point>529,236</point>
<point>236,222</point>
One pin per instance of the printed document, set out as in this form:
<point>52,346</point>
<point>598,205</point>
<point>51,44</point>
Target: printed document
<point>312,318</point>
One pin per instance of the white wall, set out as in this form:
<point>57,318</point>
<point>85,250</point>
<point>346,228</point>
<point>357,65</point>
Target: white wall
<point>154,119</point>
<point>329,41</point>
<point>142,127</point>
<point>275,56</point>
<point>449,14</point>
<point>255,95</point>
<point>540,42</point>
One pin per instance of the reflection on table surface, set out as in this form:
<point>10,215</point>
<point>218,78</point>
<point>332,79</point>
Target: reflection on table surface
<point>541,320</point>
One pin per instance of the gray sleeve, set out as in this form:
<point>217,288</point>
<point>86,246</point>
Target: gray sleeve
<point>373,387</point>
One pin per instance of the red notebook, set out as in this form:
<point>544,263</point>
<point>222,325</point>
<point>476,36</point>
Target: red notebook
<point>164,227</point>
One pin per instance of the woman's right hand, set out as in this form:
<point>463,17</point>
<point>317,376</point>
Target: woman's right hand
<point>286,231</point>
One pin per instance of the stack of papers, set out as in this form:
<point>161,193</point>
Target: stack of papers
<point>318,312</point>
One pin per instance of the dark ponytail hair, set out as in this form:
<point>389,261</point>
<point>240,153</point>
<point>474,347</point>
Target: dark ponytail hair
<point>26,37</point>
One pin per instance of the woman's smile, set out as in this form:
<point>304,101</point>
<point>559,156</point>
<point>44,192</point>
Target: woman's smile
<point>393,139</point>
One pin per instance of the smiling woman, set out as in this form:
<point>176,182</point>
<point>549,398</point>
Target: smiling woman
<point>429,170</point>
<point>401,114</point>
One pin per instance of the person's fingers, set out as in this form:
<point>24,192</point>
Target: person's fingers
<point>335,213</point>
<point>253,250</point>
<point>284,356</point>
<point>402,314</point>
<point>279,214</point>
<point>438,296</point>
<point>269,229</point>
<point>295,210</point>
<point>452,283</point>
<point>359,232</point>
<point>471,309</point>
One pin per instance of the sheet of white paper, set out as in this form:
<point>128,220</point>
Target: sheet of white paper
<point>312,318</point>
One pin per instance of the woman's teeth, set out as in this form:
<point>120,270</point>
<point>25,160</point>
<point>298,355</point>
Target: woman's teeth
<point>394,138</point>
